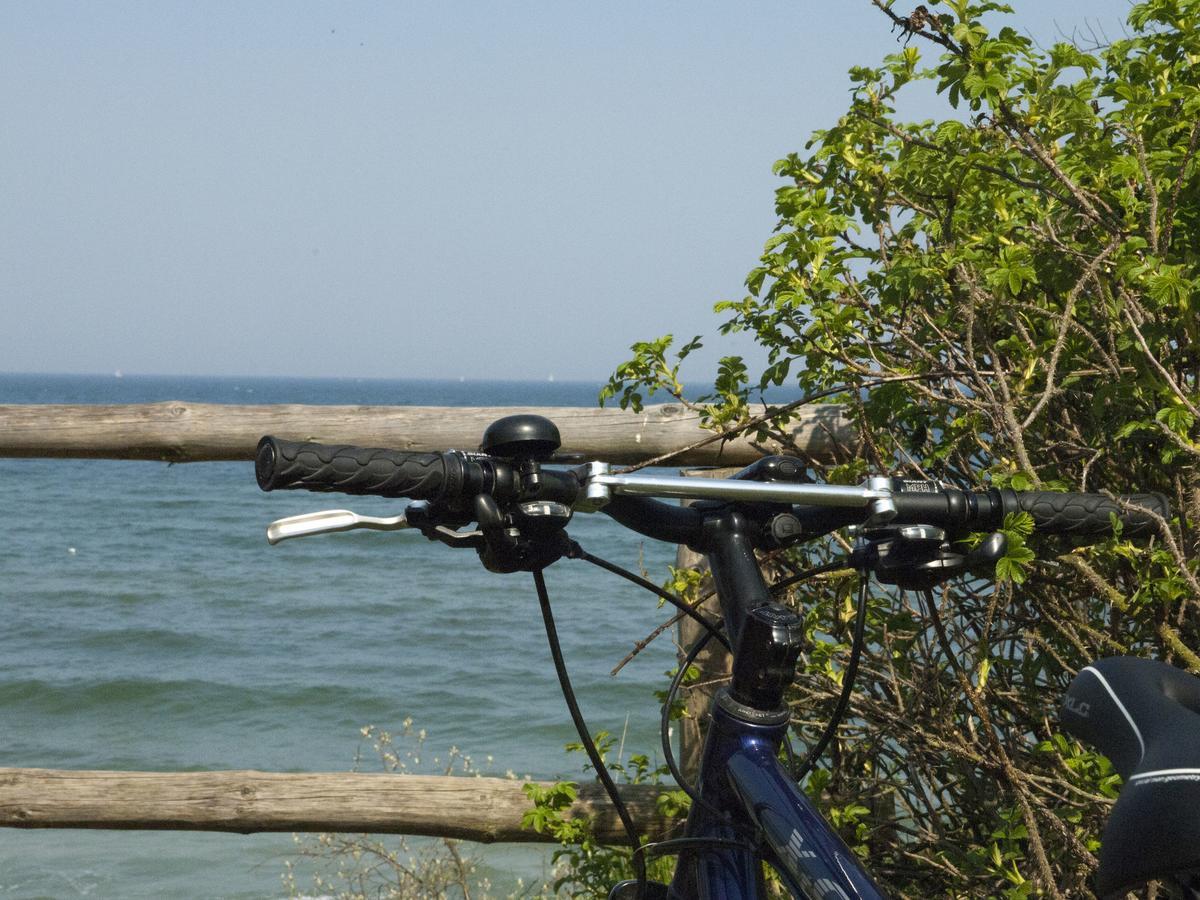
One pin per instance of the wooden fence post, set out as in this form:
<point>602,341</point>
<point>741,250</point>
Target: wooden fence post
<point>713,661</point>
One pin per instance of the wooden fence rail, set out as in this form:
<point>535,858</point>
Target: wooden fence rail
<point>177,431</point>
<point>244,802</point>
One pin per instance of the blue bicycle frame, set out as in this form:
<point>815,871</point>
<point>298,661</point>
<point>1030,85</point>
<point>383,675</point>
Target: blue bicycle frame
<point>742,777</point>
<point>743,789</point>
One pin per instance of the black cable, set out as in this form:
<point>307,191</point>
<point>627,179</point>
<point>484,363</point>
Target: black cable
<point>679,845</point>
<point>848,676</point>
<point>776,588</point>
<point>665,722</point>
<point>806,574</point>
<point>711,631</point>
<point>676,682</point>
<point>578,552</point>
<point>789,753</point>
<point>585,737</point>
<point>664,729</point>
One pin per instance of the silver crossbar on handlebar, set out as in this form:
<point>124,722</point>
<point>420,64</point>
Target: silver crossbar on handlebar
<point>844,496</point>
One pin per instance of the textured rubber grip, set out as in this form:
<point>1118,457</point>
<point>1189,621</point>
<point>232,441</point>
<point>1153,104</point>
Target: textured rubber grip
<point>1088,515</point>
<point>355,470</point>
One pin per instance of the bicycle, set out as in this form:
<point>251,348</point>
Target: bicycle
<point>747,806</point>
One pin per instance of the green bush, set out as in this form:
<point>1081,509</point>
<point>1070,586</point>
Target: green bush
<point>1006,296</point>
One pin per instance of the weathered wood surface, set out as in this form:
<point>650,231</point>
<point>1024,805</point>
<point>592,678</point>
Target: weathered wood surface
<point>177,431</point>
<point>713,662</point>
<point>476,809</point>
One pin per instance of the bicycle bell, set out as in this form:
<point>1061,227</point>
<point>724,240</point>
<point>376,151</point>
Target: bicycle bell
<point>521,437</point>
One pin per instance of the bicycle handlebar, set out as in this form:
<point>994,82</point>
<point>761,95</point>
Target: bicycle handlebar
<point>456,476</point>
<point>823,509</point>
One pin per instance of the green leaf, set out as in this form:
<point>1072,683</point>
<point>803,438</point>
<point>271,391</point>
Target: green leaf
<point>1018,524</point>
<point>1177,417</point>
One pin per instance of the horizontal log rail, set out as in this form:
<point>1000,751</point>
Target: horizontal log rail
<point>178,431</point>
<point>486,810</point>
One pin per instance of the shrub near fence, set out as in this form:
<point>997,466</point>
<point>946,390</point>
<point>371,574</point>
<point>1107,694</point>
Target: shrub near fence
<point>1005,296</point>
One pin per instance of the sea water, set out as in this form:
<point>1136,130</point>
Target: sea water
<point>148,625</point>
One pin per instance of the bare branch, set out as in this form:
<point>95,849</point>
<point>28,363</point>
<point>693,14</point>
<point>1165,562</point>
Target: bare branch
<point>1064,325</point>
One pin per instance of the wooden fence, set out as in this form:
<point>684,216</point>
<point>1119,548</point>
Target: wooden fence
<point>477,809</point>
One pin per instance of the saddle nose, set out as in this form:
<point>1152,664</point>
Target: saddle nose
<point>1145,717</point>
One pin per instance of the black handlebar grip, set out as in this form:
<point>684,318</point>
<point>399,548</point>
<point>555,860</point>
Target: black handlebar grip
<point>356,470</point>
<point>1088,515</point>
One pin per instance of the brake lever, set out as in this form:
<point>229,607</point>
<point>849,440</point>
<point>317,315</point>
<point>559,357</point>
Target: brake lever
<point>919,557</point>
<point>329,521</point>
<point>333,520</point>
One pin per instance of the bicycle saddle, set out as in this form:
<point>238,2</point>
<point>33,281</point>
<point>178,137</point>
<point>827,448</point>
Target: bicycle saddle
<point>1145,717</point>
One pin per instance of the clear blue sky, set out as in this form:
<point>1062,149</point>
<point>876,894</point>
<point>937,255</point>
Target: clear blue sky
<point>405,189</point>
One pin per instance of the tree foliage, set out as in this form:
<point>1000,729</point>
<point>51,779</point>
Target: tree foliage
<point>1006,296</point>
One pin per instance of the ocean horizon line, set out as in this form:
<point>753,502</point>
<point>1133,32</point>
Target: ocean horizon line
<point>422,379</point>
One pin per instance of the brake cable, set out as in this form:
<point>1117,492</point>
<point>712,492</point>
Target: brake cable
<point>665,722</point>
<point>832,566</point>
<point>641,851</point>
<point>682,845</point>
<point>585,737</point>
<point>848,676</point>
<point>577,552</point>
<point>681,673</point>
<point>713,631</point>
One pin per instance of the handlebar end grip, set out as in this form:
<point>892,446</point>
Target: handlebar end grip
<point>265,458</point>
<point>280,464</point>
<point>1090,515</point>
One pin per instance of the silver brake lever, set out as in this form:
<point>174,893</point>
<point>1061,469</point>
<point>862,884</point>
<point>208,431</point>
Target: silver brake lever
<point>328,521</point>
